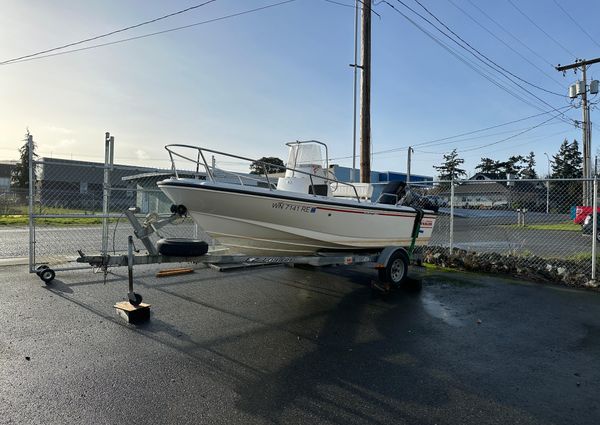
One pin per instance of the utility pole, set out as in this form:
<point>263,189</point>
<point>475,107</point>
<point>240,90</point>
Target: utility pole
<point>355,65</point>
<point>410,151</point>
<point>365,95</point>
<point>585,125</point>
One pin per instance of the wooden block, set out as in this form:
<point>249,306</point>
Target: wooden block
<point>174,272</point>
<point>131,313</point>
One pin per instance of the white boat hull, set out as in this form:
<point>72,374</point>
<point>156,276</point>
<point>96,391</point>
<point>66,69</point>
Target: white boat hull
<point>257,221</point>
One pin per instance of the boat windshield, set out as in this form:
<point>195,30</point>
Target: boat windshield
<point>305,154</point>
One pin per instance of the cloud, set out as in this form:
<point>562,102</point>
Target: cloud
<point>60,130</point>
<point>142,155</point>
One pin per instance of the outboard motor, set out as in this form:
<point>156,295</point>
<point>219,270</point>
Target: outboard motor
<point>396,193</point>
<point>413,199</point>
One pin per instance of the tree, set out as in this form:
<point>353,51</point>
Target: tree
<point>19,176</point>
<point>449,169</point>
<point>568,161</point>
<point>528,171</point>
<point>567,165</point>
<point>513,166</point>
<point>488,166</point>
<point>271,163</point>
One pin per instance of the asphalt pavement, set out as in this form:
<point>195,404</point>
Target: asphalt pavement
<point>281,345</point>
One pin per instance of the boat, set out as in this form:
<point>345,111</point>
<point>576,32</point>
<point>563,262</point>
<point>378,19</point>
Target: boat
<point>251,215</point>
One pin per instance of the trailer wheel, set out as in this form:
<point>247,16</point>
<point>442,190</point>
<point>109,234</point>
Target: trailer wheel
<point>135,299</point>
<point>47,275</point>
<point>396,269</point>
<point>40,269</point>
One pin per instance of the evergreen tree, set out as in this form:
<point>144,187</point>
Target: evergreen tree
<point>513,166</point>
<point>487,166</point>
<point>567,165</point>
<point>449,169</point>
<point>528,171</point>
<point>19,176</point>
<point>568,161</point>
<point>258,167</point>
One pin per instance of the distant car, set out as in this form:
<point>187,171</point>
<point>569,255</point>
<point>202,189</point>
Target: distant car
<point>437,200</point>
<point>587,227</point>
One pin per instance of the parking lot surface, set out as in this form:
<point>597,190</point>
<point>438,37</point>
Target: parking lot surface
<point>281,345</point>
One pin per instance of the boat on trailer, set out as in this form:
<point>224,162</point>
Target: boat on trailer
<point>298,215</point>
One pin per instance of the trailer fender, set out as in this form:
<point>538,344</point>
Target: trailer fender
<point>392,265</point>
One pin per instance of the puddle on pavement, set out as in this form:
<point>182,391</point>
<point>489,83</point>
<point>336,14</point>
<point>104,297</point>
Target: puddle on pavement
<point>438,310</point>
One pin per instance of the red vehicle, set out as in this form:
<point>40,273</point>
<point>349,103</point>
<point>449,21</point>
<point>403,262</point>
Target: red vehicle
<point>582,212</point>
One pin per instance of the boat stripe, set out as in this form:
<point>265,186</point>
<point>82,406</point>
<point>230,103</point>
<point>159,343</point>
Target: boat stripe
<point>364,212</point>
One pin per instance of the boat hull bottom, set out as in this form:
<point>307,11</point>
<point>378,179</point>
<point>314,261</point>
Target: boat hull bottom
<point>265,241</point>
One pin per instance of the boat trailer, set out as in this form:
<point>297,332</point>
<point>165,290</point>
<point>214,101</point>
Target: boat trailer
<point>391,262</point>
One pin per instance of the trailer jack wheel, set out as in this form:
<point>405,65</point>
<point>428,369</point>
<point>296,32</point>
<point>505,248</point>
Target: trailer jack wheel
<point>135,299</point>
<point>40,269</point>
<point>47,275</point>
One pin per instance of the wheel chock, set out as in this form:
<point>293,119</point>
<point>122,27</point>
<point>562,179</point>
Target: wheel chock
<point>133,314</point>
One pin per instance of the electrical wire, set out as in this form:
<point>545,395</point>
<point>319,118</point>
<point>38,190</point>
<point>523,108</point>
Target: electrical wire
<point>525,58</point>
<point>576,23</point>
<point>109,33</point>
<point>233,15</point>
<point>482,55</point>
<point>339,3</point>
<point>461,58</point>
<point>541,29</point>
<point>510,137</point>
<point>448,138</point>
<point>517,39</point>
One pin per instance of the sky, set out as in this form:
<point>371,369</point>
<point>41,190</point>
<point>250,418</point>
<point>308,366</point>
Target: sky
<point>249,83</point>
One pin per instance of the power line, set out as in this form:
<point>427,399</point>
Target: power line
<point>576,23</point>
<point>109,33</point>
<point>508,147</point>
<point>467,133</point>
<point>339,3</point>
<point>510,137</point>
<point>517,39</point>
<point>541,29</point>
<point>481,54</point>
<point>544,136</point>
<point>462,58</point>
<point>525,58</point>
<point>154,33</point>
<point>476,56</point>
<point>474,52</point>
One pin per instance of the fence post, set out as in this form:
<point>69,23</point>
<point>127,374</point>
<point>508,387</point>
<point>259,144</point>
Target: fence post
<point>31,211</point>
<point>108,162</point>
<point>594,227</point>
<point>451,215</point>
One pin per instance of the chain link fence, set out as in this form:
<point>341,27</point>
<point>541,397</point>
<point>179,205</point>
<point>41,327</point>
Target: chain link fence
<point>536,228</point>
<point>79,206</point>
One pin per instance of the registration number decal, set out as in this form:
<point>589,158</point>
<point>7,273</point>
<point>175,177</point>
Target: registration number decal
<point>294,207</point>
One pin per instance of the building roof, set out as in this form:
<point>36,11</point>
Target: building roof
<point>6,168</point>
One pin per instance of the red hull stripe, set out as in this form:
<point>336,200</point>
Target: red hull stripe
<point>365,212</point>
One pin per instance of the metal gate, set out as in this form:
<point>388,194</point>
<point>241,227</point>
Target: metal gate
<point>79,206</point>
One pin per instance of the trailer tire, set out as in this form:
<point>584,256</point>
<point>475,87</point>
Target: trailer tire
<point>40,269</point>
<point>179,247</point>
<point>47,275</point>
<point>396,269</point>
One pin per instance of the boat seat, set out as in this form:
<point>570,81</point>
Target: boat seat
<point>392,192</point>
